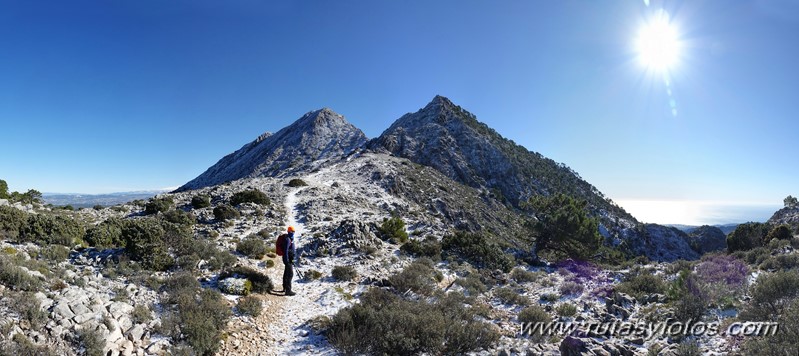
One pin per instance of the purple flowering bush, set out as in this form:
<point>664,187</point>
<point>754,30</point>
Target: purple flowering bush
<point>721,277</point>
<point>581,271</point>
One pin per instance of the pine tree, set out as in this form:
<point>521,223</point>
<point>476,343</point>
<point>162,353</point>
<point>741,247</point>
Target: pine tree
<point>3,189</point>
<point>564,227</point>
<point>791,202</point>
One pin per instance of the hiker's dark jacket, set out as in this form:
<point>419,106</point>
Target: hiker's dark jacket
<point>289,250</point>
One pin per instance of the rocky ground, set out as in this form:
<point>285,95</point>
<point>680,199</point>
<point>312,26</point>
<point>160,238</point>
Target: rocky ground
<point>336,214</point>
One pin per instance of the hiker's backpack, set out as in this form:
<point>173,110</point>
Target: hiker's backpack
<point>281,241</point>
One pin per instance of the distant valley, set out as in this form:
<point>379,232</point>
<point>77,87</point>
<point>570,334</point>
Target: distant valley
<point>90,200</point>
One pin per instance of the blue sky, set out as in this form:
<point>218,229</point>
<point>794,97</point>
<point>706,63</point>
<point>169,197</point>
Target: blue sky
<point>101,96</point>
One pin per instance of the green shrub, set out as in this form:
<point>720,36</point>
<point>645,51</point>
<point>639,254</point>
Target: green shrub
<point>472,284</point>
<point>428,248</point>
<point>522,276</point>
<point>27,306</point>
<point>141,314</point>
<point>688,348</point>
<point>419,277</point>
<point>312,275</point>
<point>384,323</point>
<point>689,296</point>
<point>158,205</point>
<point>121,295</point>
<point>180,282</point>
<point>52,229</point>
<point>757,255</point>
<point>54,253</point>
<point>689,306</point>
<point>393,230</point>
<point>510,296</point>
<point>250,196</point>
<point>189,251</point>
<point>771,294</point>
<point>250,305</point>
<point>252,246</point>
<point>91,341</point>
<point>549,297</point>
<point>144,242</point>
<point>225,212</point>
<point>783,342</point>
<point>270,263</point>
<point>570,288</point>
<point>11,222</point>
<point>20,345</point>
<point>344,273</point>
<point>566,310</point>
<point>200,201</point>
<point>106,234</point>
<point>679,266</point>
<point>16,278</point>
<point>98,207</point>
<point>534,314</point>
<point>260,282</point>
<point>180,217</point>
<point>296,182</point>
<point>478,250</point>
<point>639,284</point>
<point>194,315</point>
<point>782,232</point>
<point>780,262</point>
<point>747,236</point>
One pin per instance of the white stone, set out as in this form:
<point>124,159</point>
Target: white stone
<point>82,318</point>
<point>136,333</point>
<point>125,323</point>
<point>118,309</point>
<point>63,311</point>
<point>79,309</point>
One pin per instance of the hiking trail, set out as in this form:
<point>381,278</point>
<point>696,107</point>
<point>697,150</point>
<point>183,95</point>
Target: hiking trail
<point>283,319</point>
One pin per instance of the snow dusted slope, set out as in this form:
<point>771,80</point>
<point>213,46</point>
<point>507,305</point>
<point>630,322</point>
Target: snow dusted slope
<point>448,138</point>
<point>317,136</point>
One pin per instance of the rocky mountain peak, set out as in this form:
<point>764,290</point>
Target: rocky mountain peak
<point>439,102</point>
<point>323,116</point>
<point>317,136</point>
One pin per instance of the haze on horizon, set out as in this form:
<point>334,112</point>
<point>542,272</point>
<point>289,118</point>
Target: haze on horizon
<point>678,101</point>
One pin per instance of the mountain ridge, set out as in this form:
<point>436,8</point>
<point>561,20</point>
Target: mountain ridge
<point>447,137</point>
<point>317,135</point>
<point>451,140</point>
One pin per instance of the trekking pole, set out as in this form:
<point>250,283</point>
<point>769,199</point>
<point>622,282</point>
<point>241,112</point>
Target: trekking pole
<point>298,270</point>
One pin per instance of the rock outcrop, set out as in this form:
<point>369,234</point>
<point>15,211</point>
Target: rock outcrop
<point>787,216</point>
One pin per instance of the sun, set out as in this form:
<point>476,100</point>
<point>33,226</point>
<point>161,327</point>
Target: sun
<point>658,43</point>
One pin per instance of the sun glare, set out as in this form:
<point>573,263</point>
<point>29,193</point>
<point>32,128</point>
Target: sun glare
<point>658,44</point>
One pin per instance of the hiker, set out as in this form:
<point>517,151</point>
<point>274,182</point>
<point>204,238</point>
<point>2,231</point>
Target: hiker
<point>288,249</point>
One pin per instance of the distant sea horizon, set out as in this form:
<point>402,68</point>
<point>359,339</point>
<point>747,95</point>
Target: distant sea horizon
<point>696,213</point>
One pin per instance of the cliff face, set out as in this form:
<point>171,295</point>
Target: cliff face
<point>317,136</point>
